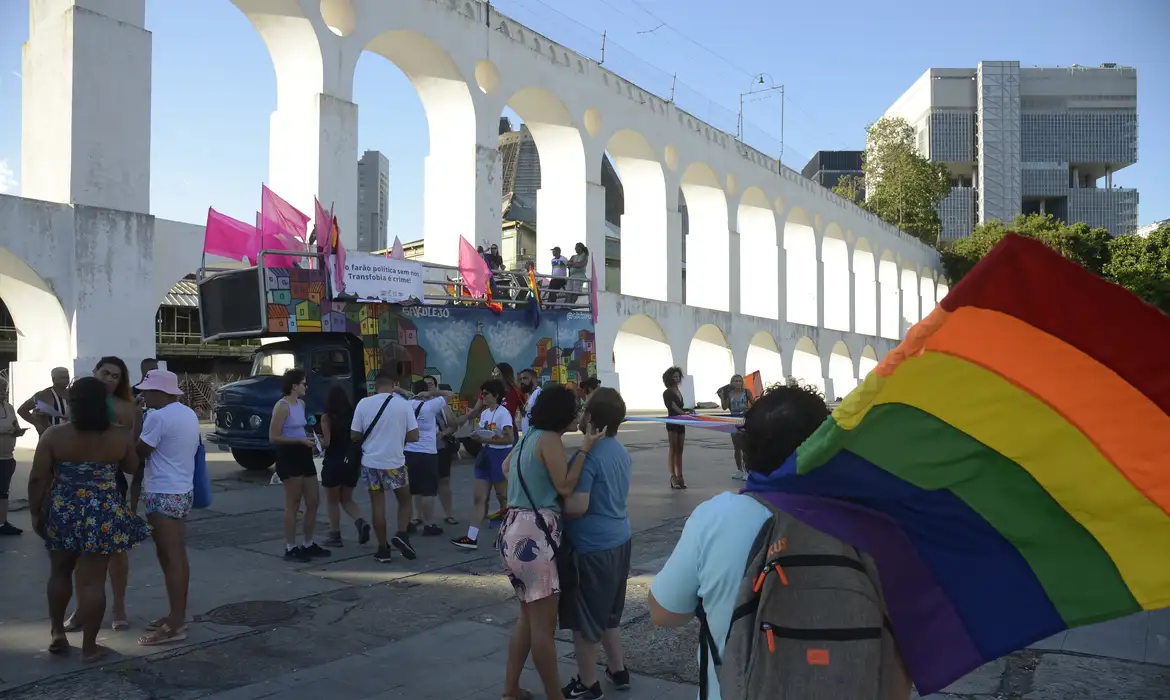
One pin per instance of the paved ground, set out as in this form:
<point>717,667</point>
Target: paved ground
<point>436,627</point>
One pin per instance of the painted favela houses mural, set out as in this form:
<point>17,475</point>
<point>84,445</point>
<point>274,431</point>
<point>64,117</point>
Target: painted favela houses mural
<point>460,344</point>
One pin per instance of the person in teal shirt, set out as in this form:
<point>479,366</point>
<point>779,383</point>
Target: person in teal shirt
<point>597,526</point>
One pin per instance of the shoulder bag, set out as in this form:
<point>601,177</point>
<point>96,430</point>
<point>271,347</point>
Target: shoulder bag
<point>353,458</point>
<point>563,554</point>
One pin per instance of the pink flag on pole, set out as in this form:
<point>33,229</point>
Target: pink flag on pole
<point>593,289</point>
<point>473,269</point>
<point>397,253</point>
<point>323,225</point>
<point>230,238</point>
<point>270,240</point>
<point>281,217</point>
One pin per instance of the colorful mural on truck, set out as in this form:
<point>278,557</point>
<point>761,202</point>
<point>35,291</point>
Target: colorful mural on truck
<point>459,344</point>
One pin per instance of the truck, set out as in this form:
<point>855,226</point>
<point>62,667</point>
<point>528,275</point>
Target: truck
<point>343,339</point>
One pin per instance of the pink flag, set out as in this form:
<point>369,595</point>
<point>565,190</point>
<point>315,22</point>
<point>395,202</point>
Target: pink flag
<point>397,253</point>
<point>593,289</point>
<point>276,241</point>
<point>323,225</point>
<point>473,269</point>
<point>230,238</point>
<point>281,217</point>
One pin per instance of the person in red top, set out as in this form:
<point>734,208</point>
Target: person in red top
<point>514,400</point>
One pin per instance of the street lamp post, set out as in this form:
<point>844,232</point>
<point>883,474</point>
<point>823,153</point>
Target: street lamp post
<point>770,86</point>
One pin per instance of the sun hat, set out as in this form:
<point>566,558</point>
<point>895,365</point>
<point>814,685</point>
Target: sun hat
<point>161,380</point>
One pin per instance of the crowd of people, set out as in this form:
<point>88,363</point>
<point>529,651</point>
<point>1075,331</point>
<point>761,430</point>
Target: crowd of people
<point>104,449</point>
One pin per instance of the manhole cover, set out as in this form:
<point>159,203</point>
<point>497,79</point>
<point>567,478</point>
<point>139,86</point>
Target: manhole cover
<point>252,613</point>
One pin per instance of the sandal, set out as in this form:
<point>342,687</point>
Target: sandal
<point>120,625</point>
<point>416,522</point>
<point>674,482</point>
<point>155,624</point>
<point>524,695</point>
<point>72,624</point>
<point>450,520</point>
<point>163,634</point>
<point>98,654</point>
<point>60,645</point>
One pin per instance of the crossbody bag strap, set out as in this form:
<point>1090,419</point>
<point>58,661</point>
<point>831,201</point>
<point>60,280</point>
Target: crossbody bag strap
<point>527,494</point>
<point>378,415</point>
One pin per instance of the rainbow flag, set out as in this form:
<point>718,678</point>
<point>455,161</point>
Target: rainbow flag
<point>723,424</point>
<point>1006,466</point>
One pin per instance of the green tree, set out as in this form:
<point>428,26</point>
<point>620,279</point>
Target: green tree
<point>851,187</point>
<point>902,187</point>
<point>1142,265</point>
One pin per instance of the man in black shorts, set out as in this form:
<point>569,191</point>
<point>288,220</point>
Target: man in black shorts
<point>422,460</point>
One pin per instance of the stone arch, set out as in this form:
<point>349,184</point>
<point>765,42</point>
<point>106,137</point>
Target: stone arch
<point>835,259</point>
<point>757,255</point>
<point>866,362</point>
<point>865,290</point>
<point>941,289</point>
<point>560,201</point>
<point>800,249</point>
<point>449,167</point>
<point>707,232</point>
<point>641,353</point>
<point>643,222</point>
<point>763,355</point>
<point>709,362</point>
<point>890,291</point>
<point>841,371</point>
<point>926,292</point>
<point>910,304</point>
<point>806,363</point>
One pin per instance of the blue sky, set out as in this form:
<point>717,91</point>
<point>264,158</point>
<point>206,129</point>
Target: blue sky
<point>842,63</point>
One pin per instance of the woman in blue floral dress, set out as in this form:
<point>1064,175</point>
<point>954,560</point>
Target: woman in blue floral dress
<point>82,516</point>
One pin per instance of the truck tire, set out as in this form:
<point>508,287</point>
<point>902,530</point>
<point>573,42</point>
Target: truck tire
<point>254,460</point>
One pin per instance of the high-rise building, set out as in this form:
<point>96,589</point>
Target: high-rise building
<point>373,210</point>
<point>1025,140</point>
<point>826,168</point>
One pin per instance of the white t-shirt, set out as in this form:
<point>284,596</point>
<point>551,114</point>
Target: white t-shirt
<point>428,425</point>
<point>173,432</point>
<point>496,420</point>
<point>528,409</point>
<point>383,449</point>
<point>560,266</point>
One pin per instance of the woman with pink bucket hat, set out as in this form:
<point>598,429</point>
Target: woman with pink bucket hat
<point>169,442</point>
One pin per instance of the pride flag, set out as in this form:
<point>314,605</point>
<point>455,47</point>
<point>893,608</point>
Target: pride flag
<point>1012,454</point>
<point>533,299</point>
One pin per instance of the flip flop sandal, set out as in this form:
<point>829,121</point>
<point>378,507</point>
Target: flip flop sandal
<point>72,624</point>
<point>163,635</point>
<point>450,520</point>
<point>59,646</point>
<point>101,653</point>
<point>120,625</point>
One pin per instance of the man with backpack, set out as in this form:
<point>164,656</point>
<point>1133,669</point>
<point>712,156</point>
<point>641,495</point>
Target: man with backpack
<point>785,611</point>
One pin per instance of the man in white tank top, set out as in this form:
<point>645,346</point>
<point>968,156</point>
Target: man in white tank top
<point>50,406</point>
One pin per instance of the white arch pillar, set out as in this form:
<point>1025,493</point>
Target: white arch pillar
<point>818,237</point>
<point>781,273</point>
<point>734,290</point>
<point>674,242</point>
<point>849,248</point>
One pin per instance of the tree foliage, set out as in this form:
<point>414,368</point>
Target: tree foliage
<point>1141,265</point>
<point>851,187</point>
<point>902,187</point>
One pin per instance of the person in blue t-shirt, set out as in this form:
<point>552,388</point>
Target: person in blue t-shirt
<point>597,525</point>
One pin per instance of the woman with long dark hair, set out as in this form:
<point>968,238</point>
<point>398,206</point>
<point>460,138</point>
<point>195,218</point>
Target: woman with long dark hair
<point>675,434</point>
<point>338,478</point>
<point>295,467</point>
<point>76,508</point>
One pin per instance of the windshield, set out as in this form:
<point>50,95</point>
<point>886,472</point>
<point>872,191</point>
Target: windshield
<point>274,363</point>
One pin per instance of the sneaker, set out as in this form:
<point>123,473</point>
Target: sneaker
<point>333,540</point>
<point>10,529</point>
<point>465,542</point>
<point>577,689</point>
<point>314,551</point>
<point>296,554</point>
<point>432,530</point>
<point>403,545</point>
<point>383,555</point>
<point>620,680</point>
<point>363,530</point>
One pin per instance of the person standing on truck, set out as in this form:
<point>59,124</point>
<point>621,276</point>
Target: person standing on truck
<point>382,425</point>
<point>295,467</point>
<point>338,476</point>
<point>422,459</point>
<point>497,436</point>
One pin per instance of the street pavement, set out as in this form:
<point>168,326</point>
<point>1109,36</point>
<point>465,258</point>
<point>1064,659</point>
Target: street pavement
<point>353,629</point>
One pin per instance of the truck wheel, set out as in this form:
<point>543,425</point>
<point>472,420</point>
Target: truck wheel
<point>254,460</point>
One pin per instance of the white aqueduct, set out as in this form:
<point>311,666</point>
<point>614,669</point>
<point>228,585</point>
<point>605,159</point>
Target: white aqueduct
<point>783,276</point>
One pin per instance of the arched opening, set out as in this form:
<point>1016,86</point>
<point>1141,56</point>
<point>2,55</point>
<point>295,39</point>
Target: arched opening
<point>867,362</point>
<point>757,256</point>
<point>38,331</point>
<point>641,353</point>
<point>800,267</point>
<point>940,290</point>
<point>642,223</point>
<point>910,304</point>
<point>439,171</point>
<point>763,355</point>
<point>926,292</point>
<point>891,297</point>
<point>806,363</point>
<point>865,290</point>
<point>706,280</point>
<point>709,362</point>
<point>544,174</point>
<point>841,371</point>
<point>835,258</point>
